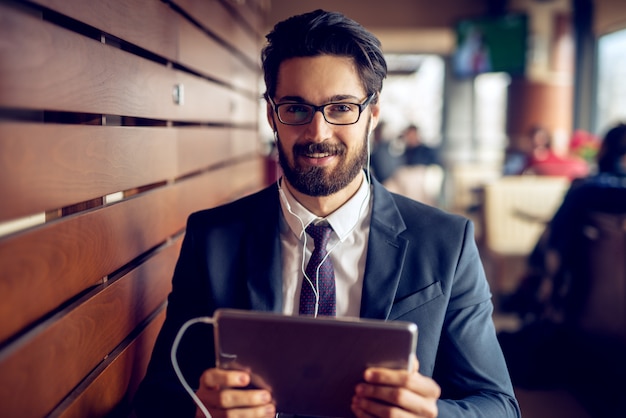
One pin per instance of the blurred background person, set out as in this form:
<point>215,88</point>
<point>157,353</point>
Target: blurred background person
<point>552,349</point>
<point>604,191</point>
<point>544,161</point>
<point>383,162</point>
<point>419,174</point>
<point>414,151</point>
<point>537,156</point>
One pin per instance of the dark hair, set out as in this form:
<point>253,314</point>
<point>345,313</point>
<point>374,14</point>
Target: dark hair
<point>324,33</point>
<point>613,148</point>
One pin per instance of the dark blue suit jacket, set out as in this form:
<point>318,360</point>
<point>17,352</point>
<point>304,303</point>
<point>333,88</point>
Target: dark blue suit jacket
<point>422,266</point>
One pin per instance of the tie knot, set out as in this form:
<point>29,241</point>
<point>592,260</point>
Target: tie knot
<point>320,234</point>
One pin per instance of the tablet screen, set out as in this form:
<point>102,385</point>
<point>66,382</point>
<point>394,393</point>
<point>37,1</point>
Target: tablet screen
<point>311,365</point>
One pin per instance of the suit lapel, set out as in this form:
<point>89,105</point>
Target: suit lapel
<point>264,254</point>
<point>385,256</point>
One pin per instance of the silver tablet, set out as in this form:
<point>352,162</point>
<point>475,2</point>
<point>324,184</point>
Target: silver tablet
<point>311,365</point>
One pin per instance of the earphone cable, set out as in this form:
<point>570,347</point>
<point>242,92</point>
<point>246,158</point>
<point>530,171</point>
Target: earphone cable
<point>174,360</point>
<point>315,286</point>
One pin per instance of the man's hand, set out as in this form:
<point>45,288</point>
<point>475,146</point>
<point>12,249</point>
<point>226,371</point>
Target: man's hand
<point>396,393</point>
<point>219,392</point>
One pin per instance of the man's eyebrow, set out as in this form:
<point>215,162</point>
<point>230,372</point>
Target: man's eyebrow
<point>335,98</point>
<point>296,99</point>
<point>342,97</point>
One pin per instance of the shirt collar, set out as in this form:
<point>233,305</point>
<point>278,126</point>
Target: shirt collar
<point>343,220</point>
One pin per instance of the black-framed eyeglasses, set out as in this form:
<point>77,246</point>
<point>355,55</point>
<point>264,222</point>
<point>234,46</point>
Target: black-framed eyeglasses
<point>335,113</point>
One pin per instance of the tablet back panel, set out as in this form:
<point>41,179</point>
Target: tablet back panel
<point>311,365</point>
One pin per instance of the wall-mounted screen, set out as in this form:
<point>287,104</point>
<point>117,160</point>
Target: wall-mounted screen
<point>491,44</point>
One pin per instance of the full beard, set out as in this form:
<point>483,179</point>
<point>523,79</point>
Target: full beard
<point>322,181</point>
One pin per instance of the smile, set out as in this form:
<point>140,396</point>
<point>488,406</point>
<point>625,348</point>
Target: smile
<point>319,155</point>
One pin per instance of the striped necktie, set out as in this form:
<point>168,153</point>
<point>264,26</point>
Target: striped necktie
<point>320,274</point>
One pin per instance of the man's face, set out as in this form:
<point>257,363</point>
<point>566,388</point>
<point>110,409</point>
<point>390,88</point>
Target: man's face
<point>319,159</point>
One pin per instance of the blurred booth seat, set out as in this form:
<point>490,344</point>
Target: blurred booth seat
<point>604,312</point>
<point>515,211</point>
<point>419,182</point>
<point>597,332</point>
<point>466,181</point>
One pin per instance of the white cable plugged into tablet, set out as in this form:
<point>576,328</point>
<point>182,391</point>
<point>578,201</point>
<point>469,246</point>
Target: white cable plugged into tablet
<point>179,373</point>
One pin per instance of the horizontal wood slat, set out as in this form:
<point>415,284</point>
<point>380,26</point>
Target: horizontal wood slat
<point>206,191</point>
<point>55,360</point>
<point>211,103</point>
<point>117,382</point>
<point>204,54</point>
<point>154,26</point>
<point>65,257</point>
<point>49,166</point>
<point>149,24</point>
<point>201,147</point>
<point>248,177</point>
<point>246,141</point>
<point>252,13</point>
<point>89,115</point>
<point>212,14</point>
<point>56,69</point>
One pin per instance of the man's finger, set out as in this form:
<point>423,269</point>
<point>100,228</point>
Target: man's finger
<point>415,382</point>
<point>219,378</point>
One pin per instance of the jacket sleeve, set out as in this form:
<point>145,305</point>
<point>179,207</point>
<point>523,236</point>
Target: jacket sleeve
<point>470,366</point>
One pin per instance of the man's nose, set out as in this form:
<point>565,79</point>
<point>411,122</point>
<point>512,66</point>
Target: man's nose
<point>318,129</point>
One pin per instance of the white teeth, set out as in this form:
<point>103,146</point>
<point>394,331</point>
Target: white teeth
<point>318,155</point>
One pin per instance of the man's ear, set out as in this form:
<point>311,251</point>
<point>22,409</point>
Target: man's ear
<point>375,109</point>
<point>270,116</point>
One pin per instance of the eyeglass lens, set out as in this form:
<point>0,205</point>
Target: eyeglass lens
<point>335,113</point>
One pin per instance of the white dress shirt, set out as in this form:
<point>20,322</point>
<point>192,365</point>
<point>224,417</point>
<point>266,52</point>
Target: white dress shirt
<point>347,247</point>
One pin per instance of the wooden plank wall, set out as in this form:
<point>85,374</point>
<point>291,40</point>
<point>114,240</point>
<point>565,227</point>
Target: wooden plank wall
<point>100,165</point>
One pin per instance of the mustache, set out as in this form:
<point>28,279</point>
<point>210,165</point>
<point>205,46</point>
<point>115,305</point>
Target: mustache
<point>319,148</point>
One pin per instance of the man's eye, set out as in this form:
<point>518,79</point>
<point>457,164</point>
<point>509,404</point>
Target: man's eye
<point>296,108</point>
<point>341,107</point>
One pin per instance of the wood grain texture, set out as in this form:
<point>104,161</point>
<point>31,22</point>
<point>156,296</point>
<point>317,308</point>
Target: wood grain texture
<point>206,102</point>
<point>66,257</point>
<point>204,54</point>
<point>254,15</point>
<point>201,147</point>
<point>149,24</point>
<point>56,69</point>
<point>154,26</point>
<point>82,297</point>
<point>70,347</point>
<point>213,15</point>
<point>115,382</point>
<point>224,185</point>
<point>49,166</point>
<point>245,141</point>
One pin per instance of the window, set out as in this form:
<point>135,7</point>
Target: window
<point>611,89</point>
